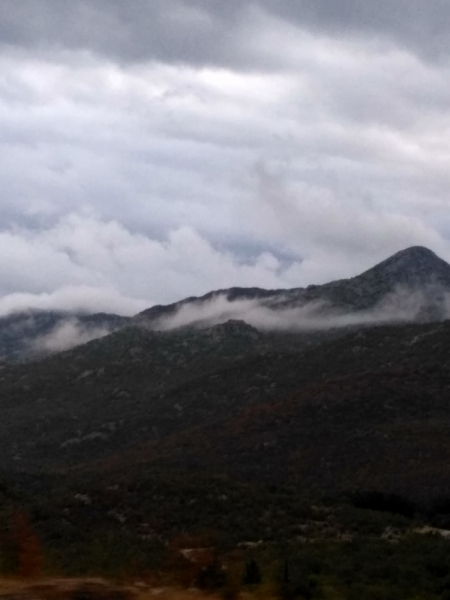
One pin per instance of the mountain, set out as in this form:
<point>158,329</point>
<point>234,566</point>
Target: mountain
<point>177,432</point>
<point>410,285</point>
<point>231,400</point>
<point>415,267</point>
<point>152,434</point>
<point>137,384</point>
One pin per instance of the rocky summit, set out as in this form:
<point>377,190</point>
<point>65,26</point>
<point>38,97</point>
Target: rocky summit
<point>414,267</point>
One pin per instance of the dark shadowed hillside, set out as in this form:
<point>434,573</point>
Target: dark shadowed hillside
<point>368,410</point>
<point>252,408</point>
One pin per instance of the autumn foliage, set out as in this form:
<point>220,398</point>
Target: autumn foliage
<point>28,550</point>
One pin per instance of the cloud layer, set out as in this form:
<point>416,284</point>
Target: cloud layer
<point>213,32</point>
<point>89,264</point>
<point>154,150</point>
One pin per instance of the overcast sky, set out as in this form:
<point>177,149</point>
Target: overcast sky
<point>155,149</point>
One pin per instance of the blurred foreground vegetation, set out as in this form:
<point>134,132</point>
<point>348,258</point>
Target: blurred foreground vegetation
<point>346,551</point>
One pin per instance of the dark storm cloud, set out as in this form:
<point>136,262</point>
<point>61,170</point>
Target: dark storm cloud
<point>422,25</point>
<point>167,30</point>
<point>213,31</point>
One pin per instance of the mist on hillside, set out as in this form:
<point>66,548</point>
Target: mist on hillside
<point>66,335</point>
<point>269,314</point>
<point>400,306</point>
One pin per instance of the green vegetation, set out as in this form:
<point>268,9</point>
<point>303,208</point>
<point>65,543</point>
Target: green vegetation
<point>266,540</point>
<point>359,566</point>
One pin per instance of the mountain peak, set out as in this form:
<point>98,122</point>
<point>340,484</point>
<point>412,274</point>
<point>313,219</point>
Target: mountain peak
<point>415,253</point>
<point>416,266</point>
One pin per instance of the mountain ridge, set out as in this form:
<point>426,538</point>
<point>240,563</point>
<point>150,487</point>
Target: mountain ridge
<point>413,284</point>
<point>415,270</point>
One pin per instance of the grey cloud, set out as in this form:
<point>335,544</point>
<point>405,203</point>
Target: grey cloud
<point>210,31</point>
<point>168,30</point>
<point>166,150</point>
<point>420,24</point>
<point>187,161</point>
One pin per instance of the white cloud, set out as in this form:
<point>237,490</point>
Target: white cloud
<point>133,182</point>
<point>401,305</point>
<point>74,298</point>
<point>82,263</point>
<point>65,336</point>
